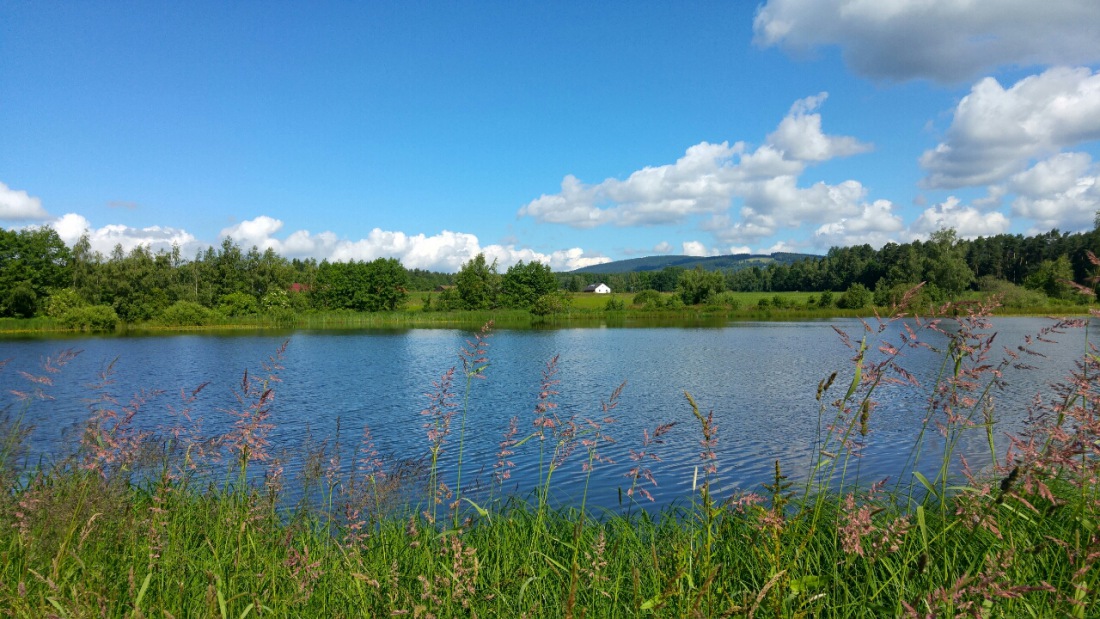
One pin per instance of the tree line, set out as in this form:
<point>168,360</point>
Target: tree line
<point>1023,268</point>
<point>41,276</point>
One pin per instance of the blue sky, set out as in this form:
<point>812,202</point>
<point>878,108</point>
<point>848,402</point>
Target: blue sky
<point>571,133</point>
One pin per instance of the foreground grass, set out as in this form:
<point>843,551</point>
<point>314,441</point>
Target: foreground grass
<point>176,550</point>
<point>141,525</point>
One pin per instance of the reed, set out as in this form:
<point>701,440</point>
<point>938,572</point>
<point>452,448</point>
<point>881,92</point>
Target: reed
<point>180,522</point>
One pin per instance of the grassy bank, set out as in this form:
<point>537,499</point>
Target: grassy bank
<point>178,523</point>
<point>585,310</point>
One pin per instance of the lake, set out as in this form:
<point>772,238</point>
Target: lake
<point>759,378</point>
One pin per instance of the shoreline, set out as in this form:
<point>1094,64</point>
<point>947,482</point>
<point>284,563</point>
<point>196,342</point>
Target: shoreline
<point>502,319</point>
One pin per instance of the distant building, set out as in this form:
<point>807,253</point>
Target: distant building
<point>600,288</point>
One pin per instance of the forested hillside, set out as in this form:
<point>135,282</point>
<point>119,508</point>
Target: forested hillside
<point>733,262</point>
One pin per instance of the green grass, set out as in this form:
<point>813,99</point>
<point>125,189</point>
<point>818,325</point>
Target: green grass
<point>141,525</point>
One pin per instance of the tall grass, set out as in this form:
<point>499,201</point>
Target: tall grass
<point>176,522</point>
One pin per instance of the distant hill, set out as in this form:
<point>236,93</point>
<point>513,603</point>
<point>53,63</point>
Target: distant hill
<point>735,262</point>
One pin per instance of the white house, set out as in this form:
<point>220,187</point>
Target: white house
<point>600,288</point>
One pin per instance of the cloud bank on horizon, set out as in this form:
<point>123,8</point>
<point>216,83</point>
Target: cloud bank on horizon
<point>1017,154</point>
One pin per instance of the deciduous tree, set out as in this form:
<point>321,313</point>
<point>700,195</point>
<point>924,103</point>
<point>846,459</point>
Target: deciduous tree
<point>478,284</point>
<point>697,285</point>
<point>523,284</point>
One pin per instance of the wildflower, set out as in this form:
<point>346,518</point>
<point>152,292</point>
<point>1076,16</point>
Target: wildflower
<point>303,571</point>
<point>857,524</point>
<point>597,563</point>
<point>503,467</point>
<point>710,436</point>
<point>475,357</point>
<point>543,420</point>
<point>411,532</point>
<point>464,571</point>
<point>256,396</point>
<point>111,441</point>
<point>441,409</point>
<point>639,470</point>
<point>597,434</point>
<point>49,365</point>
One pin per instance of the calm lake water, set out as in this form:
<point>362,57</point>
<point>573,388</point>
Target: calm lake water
<point>759,378</point>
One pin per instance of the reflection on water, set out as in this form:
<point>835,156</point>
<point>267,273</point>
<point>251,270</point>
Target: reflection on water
<point>759,378</point>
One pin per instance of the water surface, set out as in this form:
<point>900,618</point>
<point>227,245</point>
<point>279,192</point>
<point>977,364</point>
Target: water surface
<point>759,378</point>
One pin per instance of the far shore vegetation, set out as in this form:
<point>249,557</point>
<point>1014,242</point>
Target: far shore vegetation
<point>46,286</point>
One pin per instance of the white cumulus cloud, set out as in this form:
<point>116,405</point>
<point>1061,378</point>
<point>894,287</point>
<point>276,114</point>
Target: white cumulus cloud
<point>1060,192</point>
<point>710,178</point>
<point>942,40</point>
<point>445,251</point>
<point>16,205</point>
<point>696,248</point>
<point>255,232</point>
<point>70,227</point>
<point>799,135</point>
<point>699,182</point>
<point>875,224</point>
<point>995,131</point>
<point>967,221</point>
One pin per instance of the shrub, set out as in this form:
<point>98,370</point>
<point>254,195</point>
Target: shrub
<point>449,300</point>
<point>1052,278</point>
<point>855,297</point>
<point>90,318</point>
<point>22,302</point>
<point>299,301</point>
<point>926,296</point>
<point>648,298</point>
<point>62,301</point>
<point>284,317</point>
<point>1010,294</point>
<point>697,285</point>
<point>729,299</point>
<point>552,303</point>
<point>614,305</point>
<point>826,299</point>
<point>238,304</point>
<point>277,299</point>
<point>187,314</point>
